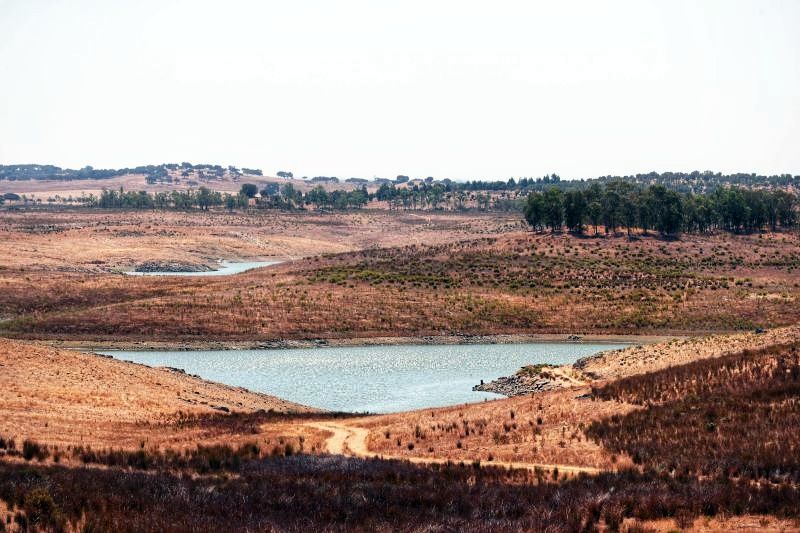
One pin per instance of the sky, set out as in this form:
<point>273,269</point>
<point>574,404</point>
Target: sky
<point>450,89</point>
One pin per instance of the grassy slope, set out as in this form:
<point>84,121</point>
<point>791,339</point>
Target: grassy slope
<point>241,488</point>
<point>64,397</point>
<point>507,283</point>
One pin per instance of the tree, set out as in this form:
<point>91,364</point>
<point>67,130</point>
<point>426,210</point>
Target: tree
<point>534,211</point>
<point>630,211</point>
<point>270,189</point>
<point>732,208</point>
<point>285,174</point>
<point>785,208</point>
<point>575,210</point>
<point>669,210</point>
<point>205,197</point>
<point>289,195</point>
<point>756,209</point>
<point>594,207</point>
<point>230,202</point>
<point>554,208</point>
<point>647,209</point>
<point>612,204</point>
<point>249,190</point>
<point>318,196</point>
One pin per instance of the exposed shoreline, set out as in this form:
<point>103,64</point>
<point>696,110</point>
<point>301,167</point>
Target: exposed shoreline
<point>356,341</point>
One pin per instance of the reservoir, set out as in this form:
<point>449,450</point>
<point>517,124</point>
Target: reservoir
<point>225,269</point>
<point>377,379</point>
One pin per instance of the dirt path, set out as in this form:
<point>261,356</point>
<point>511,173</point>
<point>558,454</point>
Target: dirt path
<point>351,440</point>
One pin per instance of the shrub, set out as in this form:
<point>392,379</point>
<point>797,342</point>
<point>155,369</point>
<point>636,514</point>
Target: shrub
<point>31,450</point>
<point>41,510</point>
<point>736,416</point>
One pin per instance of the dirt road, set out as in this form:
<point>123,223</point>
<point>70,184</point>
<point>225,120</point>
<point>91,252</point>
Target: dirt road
<point>352,440</point>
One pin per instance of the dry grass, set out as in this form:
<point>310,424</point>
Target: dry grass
<point>545,428</point>
<point>94,241</point>
<point>548,427</point>
<point>506,282</point>
<point>63,398</point>
<point>744,524</point>
<point>735,416</point>
<point>476,275</point>
<point>635,360</point>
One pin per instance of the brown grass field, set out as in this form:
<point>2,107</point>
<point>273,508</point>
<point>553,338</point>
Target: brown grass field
<point>395,274</point>
<point>371,275</point>
<point>96,241</point>
<point>548,427</point>
<point>64,398</point>
<point>88,409</point>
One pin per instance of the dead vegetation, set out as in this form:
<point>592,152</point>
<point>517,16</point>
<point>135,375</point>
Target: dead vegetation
<point>543,428</point>
<point>645,358</point>
<point>62,398</point>
<point>709,440</point>
<point>299,492</point>
<point>734,416</point>
<point>510,283</point>
<point>260,469</point>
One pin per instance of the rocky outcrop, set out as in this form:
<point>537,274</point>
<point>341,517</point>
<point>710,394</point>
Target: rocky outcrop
<point>516,385</point>
<point>170,266</point>
<point>529,380</point>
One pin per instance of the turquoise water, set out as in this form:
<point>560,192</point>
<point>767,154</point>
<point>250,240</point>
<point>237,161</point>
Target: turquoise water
<point>225,269</point>
<point>377,379</point>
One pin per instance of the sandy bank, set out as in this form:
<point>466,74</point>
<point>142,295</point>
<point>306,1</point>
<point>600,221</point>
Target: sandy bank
<point>359,341</point>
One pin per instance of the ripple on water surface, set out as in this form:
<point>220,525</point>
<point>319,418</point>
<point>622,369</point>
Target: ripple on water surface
<point>377,379</point>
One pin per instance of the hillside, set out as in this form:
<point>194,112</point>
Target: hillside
<point>651,451</point>
<point>62,397</point>
<point>476,275</point>
<point>50,184</point>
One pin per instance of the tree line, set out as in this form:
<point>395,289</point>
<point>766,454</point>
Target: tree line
<point>152,173</point>
<point>272,195</point>
<point>696,181</point>
<point>622,204</point>
<point>202,198</point>
<point>613,205</point>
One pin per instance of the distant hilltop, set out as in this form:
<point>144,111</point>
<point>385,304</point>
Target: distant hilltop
<point>154,172</point>
<point>696,182</point>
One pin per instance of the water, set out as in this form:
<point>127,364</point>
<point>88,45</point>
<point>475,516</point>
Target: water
<point>377,379</point>
<point>225,269</point>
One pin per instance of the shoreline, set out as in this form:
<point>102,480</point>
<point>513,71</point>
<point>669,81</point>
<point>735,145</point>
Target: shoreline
<point>286,344</point>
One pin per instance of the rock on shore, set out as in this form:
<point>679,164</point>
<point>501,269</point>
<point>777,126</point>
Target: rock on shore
<point>516,385</point>
<point>170,266</point>
<point>528,380</point>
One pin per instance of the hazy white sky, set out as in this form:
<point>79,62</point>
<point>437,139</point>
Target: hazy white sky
<point>454,89</point>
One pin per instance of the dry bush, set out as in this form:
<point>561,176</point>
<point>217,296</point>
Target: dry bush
<point>544,428</point>
<point>302,492</point>
<point>499,283</point>
<point>732,416</point>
